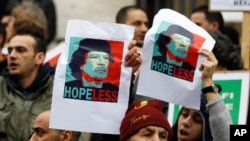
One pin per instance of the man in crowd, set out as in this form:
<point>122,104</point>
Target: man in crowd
<point>210,21</point>
<point>25,87</point>
<point>137,17</point>
<point>42,132</point>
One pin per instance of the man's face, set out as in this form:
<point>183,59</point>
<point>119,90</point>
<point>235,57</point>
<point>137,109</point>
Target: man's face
<point>41,130</point>
<point>22,59</point>
<point>96,64</point>
<point>189,125</point>
<point>179,46</point>
<point>149,133</point>
<point>139,20</point>
<point>200,19</point>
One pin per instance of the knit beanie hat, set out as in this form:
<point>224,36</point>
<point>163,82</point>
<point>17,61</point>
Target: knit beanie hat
<point>141,114</point>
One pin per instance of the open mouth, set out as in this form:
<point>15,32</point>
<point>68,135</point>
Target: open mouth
<point>12,65</point>
<point>183,132</point>
<point>183,135</point>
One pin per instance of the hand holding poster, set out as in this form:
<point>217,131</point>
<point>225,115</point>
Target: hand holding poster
<point>170,68</point>
<point>235,93</point>
<point>89,76</point>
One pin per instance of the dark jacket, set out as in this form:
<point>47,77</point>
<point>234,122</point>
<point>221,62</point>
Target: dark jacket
<point>19,107</point>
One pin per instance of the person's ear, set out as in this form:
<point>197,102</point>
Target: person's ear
<point>40,56</point>
<point>215,26</point>
<point>66,135</point>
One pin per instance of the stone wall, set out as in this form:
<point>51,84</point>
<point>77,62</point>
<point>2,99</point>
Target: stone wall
<point>93,10</point>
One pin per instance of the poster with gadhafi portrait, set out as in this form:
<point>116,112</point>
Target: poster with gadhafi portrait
<point>170,68</point>
<point>91,85</point>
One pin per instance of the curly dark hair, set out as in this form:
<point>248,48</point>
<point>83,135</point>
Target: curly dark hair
<point>226,52</point>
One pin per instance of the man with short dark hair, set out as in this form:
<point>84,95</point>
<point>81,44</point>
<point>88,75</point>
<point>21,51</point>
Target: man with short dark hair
<point>210,21</point>
<point>25,87</point>
<point>137,17</point>
<point>42,132</point>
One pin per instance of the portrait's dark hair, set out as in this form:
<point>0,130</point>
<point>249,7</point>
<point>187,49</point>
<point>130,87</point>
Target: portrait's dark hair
<point>164,36</point>
<point>121,15</point>
<point>86,45</point>
<point>210,16</point>
<point>227,54</point>
<point>3,33</point>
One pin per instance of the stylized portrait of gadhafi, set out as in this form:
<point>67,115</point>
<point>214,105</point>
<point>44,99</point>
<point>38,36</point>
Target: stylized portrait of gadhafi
<point>89,66</point>
<point>175,52</point>
<point>90,63</point>
<point>174,44</point>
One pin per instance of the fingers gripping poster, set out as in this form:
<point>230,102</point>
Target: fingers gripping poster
<point>91,85</point>
<point>170,68</point>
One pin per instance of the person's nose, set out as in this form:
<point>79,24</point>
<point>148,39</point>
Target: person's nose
<point>187,121</point>
<point>101,61</point>
<point>143,28</point>
<point>182,42</point>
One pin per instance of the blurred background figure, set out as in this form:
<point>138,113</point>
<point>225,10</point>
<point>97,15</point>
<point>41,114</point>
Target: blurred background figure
<point>210,21</point>
<point>6,8</point>
<point>228,56</point>
<point>137,17</point>
<point>23,18</point>
<point>49,10</point>
<point>3,61</point>
<point>47,6</point>
<point>232,33</point>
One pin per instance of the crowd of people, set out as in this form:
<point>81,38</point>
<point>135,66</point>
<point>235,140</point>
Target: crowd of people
<point>26,83</point>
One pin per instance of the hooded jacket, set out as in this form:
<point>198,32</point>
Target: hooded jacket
<point>19,107</point>
<point>216,120</point>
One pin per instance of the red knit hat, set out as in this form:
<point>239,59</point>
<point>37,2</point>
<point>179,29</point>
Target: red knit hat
<point>141,114</point>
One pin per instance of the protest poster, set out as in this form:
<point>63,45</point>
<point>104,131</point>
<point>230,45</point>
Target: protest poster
<point>170,68</point>
<point>91,86</point>
<point>235,93</point>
